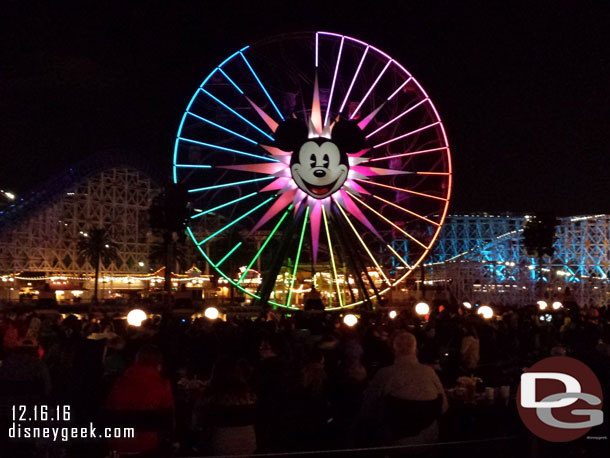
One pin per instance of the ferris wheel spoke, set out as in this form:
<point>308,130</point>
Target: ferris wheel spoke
<point>226,185</point>
<point>406,264</point>
<point>411,153</point>
<point>218,126</point>
<point>298,256</point>
<point>261,84</point>
<point>387,220</point>
<point>264,245</point>
<point>332,88</point>
<point>236,220</point>
<point>332,256</point>
<point>408,110</point>
<point>225,257</point>
<point>218,207</point>
<point>228,150</point>
<point>408,191</point>
<point>217,100</point>
<point>193,166</point>
<point>417,215</point>
<point>349,90</point>
<point>370,89</point>
<point>410,78</point>
<point>228,78</point>
<point>408,134</point>
<point>364,245</point>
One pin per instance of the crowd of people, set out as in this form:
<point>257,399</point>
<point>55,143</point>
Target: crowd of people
<point>275,382</point>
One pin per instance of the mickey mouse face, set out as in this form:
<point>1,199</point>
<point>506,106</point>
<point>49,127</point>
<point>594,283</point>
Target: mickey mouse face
<point>319,170</point>
<point>319,166</point>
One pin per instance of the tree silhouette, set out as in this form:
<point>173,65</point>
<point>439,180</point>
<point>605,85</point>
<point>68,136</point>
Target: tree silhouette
<point>97,248</point>
<point>167,218</point>
<point>539,237</point>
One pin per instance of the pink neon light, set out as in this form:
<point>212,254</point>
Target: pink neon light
<point>356,187</point>
<point>399,88</point>
<point>371,88</point>
<point>268,119</point>
<point>408,134</point>
<point>332,88</point>
<point>412,153</point>
<point>351,207</point>
<point>404,190</point>
<point>275,151</point>
<point>268,168</point>
<point>375,171</point>
<point>315,215</point>
<point>276,184</point>
<point>365,122</point>
<point>316,111</point>
<point>282,202</point>
<point>398,117</point>
<point>349,90</point>
<point>432,173</point>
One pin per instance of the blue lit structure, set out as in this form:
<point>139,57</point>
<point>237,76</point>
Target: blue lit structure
<point>480,258</point>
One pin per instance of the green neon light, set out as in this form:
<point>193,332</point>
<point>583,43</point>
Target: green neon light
<point>234,221</point>
<point>332,257</point>
<point>269,237</point>
<point>223,275</point>
<point>222,205</point>
<point>228,254</point>
<point>296,261</point>
<point>226,185</point>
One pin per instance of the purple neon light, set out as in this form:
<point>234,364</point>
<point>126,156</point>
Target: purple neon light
<point>408,134</point>
<point>317,47</point>
<point>400,87</point>
<point>349,90</point>
<point>411,153</point>
<point>371,89</point>
<point>398,117</point>
<point>355,40</point>
<point>332,88</point>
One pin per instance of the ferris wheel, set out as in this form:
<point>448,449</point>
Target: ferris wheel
<point>320,164</point>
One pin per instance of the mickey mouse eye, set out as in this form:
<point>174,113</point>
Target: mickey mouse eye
<point>312,158</point>
<point>325,161</point>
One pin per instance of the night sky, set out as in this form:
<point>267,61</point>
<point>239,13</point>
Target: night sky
<point>523,88</point>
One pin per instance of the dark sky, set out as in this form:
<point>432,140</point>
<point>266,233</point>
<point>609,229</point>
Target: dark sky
<point>523,87</point>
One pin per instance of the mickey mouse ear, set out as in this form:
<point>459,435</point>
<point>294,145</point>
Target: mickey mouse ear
<point>290,134</point>
<point>348,136</point>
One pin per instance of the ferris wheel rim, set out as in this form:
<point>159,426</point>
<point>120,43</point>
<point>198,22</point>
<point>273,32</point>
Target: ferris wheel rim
<point>439,124</point>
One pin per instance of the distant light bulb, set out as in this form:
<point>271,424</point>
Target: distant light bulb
<point>467,305</point>
<point>350,320</point>
<point>422,308</point>
<point>393,314</point>
<point>486,312</point>
<point>136,317</point>
<point>211,313</point>
<point>557,305</point>
<point>542,305</point>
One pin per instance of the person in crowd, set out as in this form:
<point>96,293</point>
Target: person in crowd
<point>274,384</point>
<point>469,351</point>
<point>143,396</point>
<point>226,413</point>
<point>405,380</point>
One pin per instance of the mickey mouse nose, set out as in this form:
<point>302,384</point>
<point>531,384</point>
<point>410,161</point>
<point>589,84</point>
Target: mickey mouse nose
<point>319,173</point>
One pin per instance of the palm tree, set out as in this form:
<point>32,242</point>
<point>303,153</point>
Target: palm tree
<point>96,247</point>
